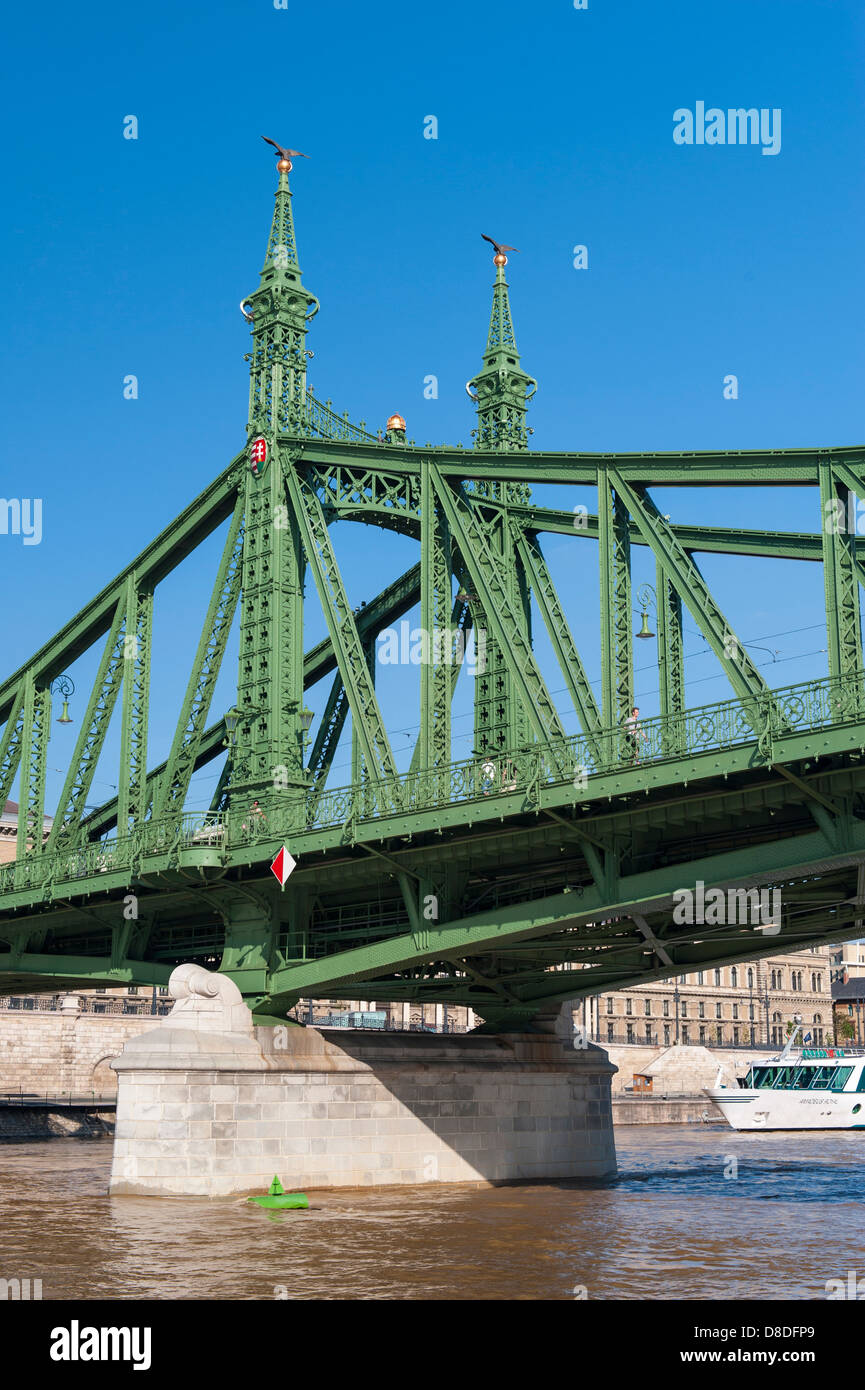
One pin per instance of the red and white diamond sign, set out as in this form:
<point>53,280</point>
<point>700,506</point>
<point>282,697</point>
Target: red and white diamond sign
<point>282,866</point>
<point>258,453</point>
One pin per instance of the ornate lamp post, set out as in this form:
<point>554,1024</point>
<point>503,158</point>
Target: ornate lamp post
<point>646,598</point>
<point>63,685</point>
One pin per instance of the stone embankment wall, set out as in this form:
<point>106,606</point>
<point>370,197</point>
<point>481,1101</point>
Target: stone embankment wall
<point>680,1070</point>
<point>21,1123</point>
<point>65,1051</point>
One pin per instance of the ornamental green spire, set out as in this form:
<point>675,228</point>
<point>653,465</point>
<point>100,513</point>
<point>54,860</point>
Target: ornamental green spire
<point>279,312</point>
<point>501,387</point>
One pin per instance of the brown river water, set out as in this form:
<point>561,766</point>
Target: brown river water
<point>674,1224</point>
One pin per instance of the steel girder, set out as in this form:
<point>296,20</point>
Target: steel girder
<point>91,738</point>
<point>347,645</point>
<point>506,624</point>
<point>649,894</point>
<point>10,744</point>
<point>34,744</point>
<point>684,574</point>
<point>617,660</point>
<point>137,640</point>
<point>269,741</point>
<point>436,609</point>
<point>840,571</point>
<point>173,786</point>
<point>733,468</point>
<point>670,652</point>
<point>579,687</point>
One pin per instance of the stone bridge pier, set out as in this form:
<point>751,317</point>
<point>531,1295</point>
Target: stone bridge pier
<point>209,1105</point>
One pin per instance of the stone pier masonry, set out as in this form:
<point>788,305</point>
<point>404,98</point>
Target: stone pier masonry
<point>208,1105</point>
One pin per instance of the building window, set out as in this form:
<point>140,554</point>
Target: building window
<point>750,978</point>
<point>717,977</point>
<point>685,1035</point>
<point>131,989</point>
<point>684,1009</point>
<point>630,1031</point>
<point>648,1032</point>
<point>666,1035</point>
<point>609,1003</point>
<point>699,977</point>
<point>734,978</point>
<point>647,1008</point>
<point>735,1010</point>
<point>751,1012</point>
<point>702,1032</point>
<point>735,1035</point>
<point>628,1006</point>
<point>701,1009</point>
<point>609,1032</point>
<point>666,1008</point>
<point>718,1013</point>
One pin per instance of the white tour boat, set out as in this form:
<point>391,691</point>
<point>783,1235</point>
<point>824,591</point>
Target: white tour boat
<point>801,1088</point>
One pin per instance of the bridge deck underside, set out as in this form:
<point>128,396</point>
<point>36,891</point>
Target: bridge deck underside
<point>506,911</point>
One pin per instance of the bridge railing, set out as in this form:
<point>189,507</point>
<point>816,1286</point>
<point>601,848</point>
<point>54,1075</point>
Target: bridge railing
<point>762,718</point>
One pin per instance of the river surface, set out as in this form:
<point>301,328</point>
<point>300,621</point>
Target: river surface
<point>674,1224</point>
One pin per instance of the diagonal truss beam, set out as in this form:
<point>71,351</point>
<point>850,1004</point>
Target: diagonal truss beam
<point>34,754</point>
<point>560,634</point>
<point>689,582</point>
<point>137,640</point>
<point>840,569</point>
<point>10,746</point>
<point>507,628</point>
<point>436,603</point>
<point>174,785</point>
<point>91,738</point>
<point>347,644</point>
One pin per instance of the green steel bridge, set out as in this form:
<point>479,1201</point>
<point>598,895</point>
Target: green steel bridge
<point>540,869</point>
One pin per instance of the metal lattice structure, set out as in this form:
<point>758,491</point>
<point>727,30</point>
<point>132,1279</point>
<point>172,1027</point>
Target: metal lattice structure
<point>539,869</point>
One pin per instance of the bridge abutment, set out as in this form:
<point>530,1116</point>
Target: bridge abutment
<point>210,1106</point>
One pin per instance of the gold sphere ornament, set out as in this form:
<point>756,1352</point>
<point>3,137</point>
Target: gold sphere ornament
<point>500,259</point>
<point>284,166</point>
<point>396,422</point>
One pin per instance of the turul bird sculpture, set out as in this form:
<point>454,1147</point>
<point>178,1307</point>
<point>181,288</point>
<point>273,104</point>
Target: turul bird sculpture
<point>284,154</point>
<point>501,248</point>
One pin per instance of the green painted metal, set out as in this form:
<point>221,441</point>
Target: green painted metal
<point>436,609</point>
<point>506,891</point>
<point>174,784</point>
<point>137,640</point>
<point>505,622</point>
<point>10,745</point>
<point>671,662</point>
<point>843,618</point>
<point>91,738</point>
<point>34,743</point>
<point>579,687</point>
<point>353,667</point>
<point>614,555</point>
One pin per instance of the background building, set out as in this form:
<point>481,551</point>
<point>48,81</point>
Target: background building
<point>748,1005</point>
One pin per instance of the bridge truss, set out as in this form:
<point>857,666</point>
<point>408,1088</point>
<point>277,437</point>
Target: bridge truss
<point>539,869</point>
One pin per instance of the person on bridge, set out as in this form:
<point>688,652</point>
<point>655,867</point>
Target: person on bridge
<point>634,734</point>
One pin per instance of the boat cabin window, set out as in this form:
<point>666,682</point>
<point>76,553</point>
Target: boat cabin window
<point>799,1078</point>
<point>861,1086</point>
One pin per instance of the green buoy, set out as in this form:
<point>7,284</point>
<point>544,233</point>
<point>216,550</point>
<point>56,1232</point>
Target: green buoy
<point>278,1199</point>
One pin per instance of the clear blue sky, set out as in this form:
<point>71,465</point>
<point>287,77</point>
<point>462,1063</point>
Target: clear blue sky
<point>554,128</point>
